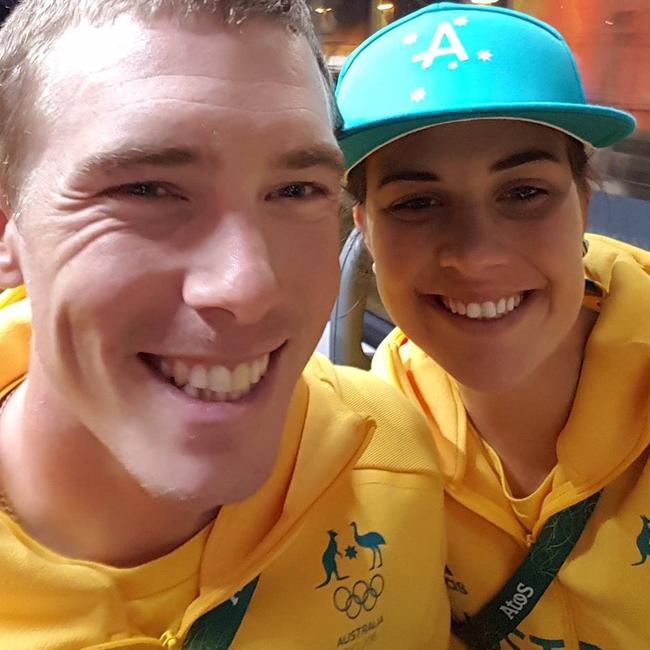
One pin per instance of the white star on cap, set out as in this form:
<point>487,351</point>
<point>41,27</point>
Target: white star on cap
<point>461,21</point>
<point>452,65</point>
<point>484,55</point>
<point>418,95</point>
<point>410,39</point>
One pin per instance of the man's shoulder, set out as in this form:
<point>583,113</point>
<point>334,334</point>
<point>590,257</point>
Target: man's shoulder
<point>362,391</point>
<point>402,440</point>
<point>15,335</point>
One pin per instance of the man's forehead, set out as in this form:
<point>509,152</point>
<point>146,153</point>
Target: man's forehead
<point>84,50</point>
<point>87,50</point>
<point>166,95</point>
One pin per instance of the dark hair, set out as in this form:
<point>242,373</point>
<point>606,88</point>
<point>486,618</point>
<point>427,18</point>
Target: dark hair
<point>6,7</point>
<point>356,184</point>
<point>580,166</point>
<point>578,161</point>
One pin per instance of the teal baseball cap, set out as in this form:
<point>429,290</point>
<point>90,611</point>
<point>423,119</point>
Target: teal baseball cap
<point>451,62</point>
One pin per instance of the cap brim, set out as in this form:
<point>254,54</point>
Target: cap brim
<point>598,126</point>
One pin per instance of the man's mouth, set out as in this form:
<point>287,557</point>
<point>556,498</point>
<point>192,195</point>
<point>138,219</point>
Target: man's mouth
<point>210,383</point>
<point>484,310</point>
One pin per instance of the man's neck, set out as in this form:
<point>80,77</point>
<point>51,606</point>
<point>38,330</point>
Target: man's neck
<point>523,424</point>
<point>69,493</point>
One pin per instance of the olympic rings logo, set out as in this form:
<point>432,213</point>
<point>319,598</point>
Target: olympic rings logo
<point>363,596</point>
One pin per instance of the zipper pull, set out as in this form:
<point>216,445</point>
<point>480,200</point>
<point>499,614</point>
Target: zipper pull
<point>169,640</point>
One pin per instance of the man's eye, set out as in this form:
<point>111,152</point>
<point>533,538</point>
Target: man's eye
<point>298,191</point>
<point>147,190</point>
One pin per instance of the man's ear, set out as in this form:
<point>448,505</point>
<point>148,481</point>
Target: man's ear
<point>360,221</point>
<point>10,272</point>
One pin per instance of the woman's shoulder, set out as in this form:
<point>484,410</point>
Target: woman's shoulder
<point>605,253</point>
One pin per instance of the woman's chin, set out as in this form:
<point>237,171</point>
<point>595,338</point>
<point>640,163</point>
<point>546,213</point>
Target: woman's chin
<point>489,377</point>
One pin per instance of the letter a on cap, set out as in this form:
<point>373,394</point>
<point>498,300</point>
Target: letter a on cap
<point>435,50</point>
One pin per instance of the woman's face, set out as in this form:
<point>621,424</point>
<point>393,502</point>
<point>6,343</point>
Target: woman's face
<point>476,231</point>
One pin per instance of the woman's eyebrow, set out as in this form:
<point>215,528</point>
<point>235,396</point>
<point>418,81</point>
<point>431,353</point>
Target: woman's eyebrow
<point>408,175</point>
<point>523,157</point>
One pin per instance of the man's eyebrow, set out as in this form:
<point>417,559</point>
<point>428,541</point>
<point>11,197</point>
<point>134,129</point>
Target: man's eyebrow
<point>523,157</point>
<point>316,156</point>
<point>137,156</point>
<point>408,175</point>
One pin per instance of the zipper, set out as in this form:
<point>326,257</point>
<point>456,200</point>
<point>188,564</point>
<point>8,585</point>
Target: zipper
<point>170,640</point>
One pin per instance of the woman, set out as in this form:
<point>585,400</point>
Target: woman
<point>467,139</point>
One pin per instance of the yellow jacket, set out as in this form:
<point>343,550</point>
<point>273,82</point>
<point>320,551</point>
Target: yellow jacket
<point>324,583</point>
<point>599,600</point>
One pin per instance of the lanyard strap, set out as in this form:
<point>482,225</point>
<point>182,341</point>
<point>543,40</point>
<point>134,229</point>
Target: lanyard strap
<point>503,614</point>
<point>217,629</point>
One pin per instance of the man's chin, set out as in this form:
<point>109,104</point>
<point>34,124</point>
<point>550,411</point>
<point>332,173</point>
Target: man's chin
<point>204,483</point>
<point>211,453</point>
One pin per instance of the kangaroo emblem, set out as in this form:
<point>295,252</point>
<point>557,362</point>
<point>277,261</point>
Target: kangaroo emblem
<point>643,541</point>
<point>329,560</point>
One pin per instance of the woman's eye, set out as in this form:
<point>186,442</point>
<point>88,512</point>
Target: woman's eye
<point>416,203</point>
<point>298,191</point>
<point>526,193</point>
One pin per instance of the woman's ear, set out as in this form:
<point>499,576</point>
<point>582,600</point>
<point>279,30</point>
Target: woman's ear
<point>360,221</point>
<point>359,216</point>
<point>10,271</point>
<point>585,192</point>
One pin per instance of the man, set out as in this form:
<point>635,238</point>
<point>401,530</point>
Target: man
<point>171,475</point>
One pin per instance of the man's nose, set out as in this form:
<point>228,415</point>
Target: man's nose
<point>232,270</point>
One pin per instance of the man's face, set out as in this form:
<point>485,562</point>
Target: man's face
<point>179,244</point>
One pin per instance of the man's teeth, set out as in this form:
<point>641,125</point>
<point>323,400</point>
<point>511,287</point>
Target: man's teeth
<point>215,383</point>
<point>483,310</point>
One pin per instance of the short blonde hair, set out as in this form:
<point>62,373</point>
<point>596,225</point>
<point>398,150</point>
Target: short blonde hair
<point>31,30</point>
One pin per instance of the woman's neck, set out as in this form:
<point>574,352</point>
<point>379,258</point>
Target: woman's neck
<point>523,424</point>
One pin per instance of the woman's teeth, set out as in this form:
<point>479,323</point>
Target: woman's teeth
<point>484,310</point>
<point>215,383</point>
